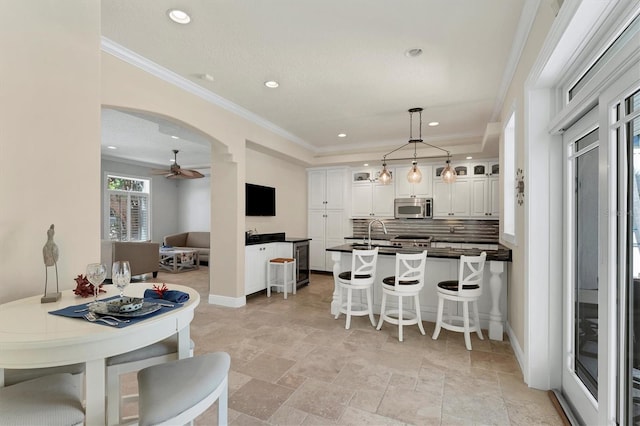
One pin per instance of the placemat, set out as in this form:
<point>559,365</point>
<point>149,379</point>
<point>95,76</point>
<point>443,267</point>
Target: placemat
<point>70,312</point>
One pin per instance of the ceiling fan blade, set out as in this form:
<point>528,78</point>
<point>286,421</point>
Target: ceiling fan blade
<point>160,171</point>
<point>191,174</point>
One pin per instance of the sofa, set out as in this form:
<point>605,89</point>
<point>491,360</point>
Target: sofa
<point>143,256</point>
<point>190,240</point>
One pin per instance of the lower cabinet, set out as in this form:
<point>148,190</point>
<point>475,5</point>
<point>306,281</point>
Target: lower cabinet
<point>256,261</point>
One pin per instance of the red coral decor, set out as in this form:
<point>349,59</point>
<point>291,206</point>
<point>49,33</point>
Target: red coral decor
<point>160,290</point>
<point>84,288</point>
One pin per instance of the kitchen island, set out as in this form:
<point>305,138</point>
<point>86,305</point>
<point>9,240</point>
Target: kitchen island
<point>442,264</point>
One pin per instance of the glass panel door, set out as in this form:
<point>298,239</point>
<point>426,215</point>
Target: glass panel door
<point>627,130</point>
<point>585,322</point>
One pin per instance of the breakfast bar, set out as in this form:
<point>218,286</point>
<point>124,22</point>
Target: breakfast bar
<point>442,264</point>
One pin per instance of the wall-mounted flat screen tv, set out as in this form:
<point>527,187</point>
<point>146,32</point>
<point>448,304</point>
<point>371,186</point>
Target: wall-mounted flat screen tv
<point>260,200</point>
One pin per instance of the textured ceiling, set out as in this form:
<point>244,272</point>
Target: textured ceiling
<point>341,64</point>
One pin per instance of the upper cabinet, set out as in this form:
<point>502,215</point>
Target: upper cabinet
<point>405,189</point>
<point>368,197</point>
<point>484,169</point>
<point>327,188</point>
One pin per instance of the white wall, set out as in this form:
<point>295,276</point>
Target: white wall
<point>194,205</point>
<point>165,198</point>
<point>290,181</point>
<point>49,141</point>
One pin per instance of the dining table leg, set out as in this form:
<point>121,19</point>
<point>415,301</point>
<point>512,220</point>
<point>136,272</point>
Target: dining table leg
<point>95,398</point>
<point>184,343</point>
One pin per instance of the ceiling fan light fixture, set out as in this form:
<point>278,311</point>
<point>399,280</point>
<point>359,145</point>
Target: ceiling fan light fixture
<point>177,172</point>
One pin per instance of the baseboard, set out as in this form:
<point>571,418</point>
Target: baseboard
<point>517,350</point>
<point>229,302</point>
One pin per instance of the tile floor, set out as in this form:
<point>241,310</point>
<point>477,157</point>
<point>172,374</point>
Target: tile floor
<point>294,364</point>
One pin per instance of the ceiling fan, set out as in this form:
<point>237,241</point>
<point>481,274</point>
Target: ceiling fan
<point>176,172</point>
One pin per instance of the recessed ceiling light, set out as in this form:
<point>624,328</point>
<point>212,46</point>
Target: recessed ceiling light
<point>174,137</point>
<point>179,16</point>
<point>412,53</point>
<point>434,123</point>
<point>469,158</point>
<point>173,160</point>
<point>271,84</point>
<point>112,147</point>
<point>366,164</point>
<point>342,135</point>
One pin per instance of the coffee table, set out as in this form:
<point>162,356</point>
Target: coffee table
<point>179,260</point>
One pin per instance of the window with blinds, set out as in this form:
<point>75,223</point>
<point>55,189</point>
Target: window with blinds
<point>129,208</point>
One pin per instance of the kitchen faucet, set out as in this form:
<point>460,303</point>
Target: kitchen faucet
<point>384,228</point>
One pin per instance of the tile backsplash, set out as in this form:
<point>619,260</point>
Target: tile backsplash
<point>444,228</point>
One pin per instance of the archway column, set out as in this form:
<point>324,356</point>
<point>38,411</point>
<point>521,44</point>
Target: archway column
<point>226,260</point>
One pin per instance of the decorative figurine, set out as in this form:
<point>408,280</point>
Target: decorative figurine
<point>50,254</point>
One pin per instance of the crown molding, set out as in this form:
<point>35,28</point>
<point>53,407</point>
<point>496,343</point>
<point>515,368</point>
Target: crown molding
<point>132,58</point>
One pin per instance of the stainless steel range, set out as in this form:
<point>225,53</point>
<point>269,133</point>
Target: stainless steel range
<point>411,241</point>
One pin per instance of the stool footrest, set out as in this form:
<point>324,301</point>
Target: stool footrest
<point>281,260</point>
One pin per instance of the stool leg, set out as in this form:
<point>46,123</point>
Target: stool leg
<point>436,332</point>
<point>269,279</point>
<point>349,294</point>
<point>465,317</point>
<point>339,301</point>
<point>418,314</point>
<point>285,275</point>
<point>370,306</point>
<point>400,318</point>
<point>476,318</point>
<point>293,276</point>
<point>384,302</point>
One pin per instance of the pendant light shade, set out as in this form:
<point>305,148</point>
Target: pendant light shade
<point>384,177</point>
<point>449,174</point>
<point>414,175</point>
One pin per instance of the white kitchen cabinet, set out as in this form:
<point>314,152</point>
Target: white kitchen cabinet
<point>326,188</point>
<point>256,259</point>
<point>405,189</point>
<point>255,267</point>
<point>326,229</point>
<point>370,199</point>
<point>485,198</point>
<point>327,219</point>
<point>451,199</point>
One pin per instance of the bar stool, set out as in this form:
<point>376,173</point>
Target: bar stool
<point>288,267</point>
<point>361,277</point>
<point>407,282</point>
<point>176,392</point>
<point>466,289</point>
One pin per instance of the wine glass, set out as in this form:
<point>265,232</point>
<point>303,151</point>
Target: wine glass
<point>121,275</point>
<point>96,273</point>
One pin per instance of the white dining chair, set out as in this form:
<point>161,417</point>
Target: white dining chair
<point>54,399</point>
<point>177,392</point>
<point>157,353</point>
<point>466,289</point>
<point>406,283</point>
<point>360,278</point>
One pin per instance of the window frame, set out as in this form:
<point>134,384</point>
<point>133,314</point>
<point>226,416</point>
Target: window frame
<point>107,205</point>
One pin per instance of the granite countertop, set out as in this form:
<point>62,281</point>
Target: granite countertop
<point>276,237</point>
<point>501,254</point>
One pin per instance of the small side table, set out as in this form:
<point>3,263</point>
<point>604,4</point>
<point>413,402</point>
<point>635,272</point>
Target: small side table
<point>288,266</point>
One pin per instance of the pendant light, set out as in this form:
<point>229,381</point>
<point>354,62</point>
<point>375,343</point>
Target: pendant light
<point>414,175</point>
<point>448,173</point>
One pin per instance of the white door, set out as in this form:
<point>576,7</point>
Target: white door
<point>585,317</point>
<point>441,199</point>
<point>317,189</point>
<point>460,198</point>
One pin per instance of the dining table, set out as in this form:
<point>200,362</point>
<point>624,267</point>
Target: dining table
<point>32,337</point>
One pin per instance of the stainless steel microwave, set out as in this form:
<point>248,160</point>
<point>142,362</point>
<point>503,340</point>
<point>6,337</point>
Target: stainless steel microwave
<point>413,208</point>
